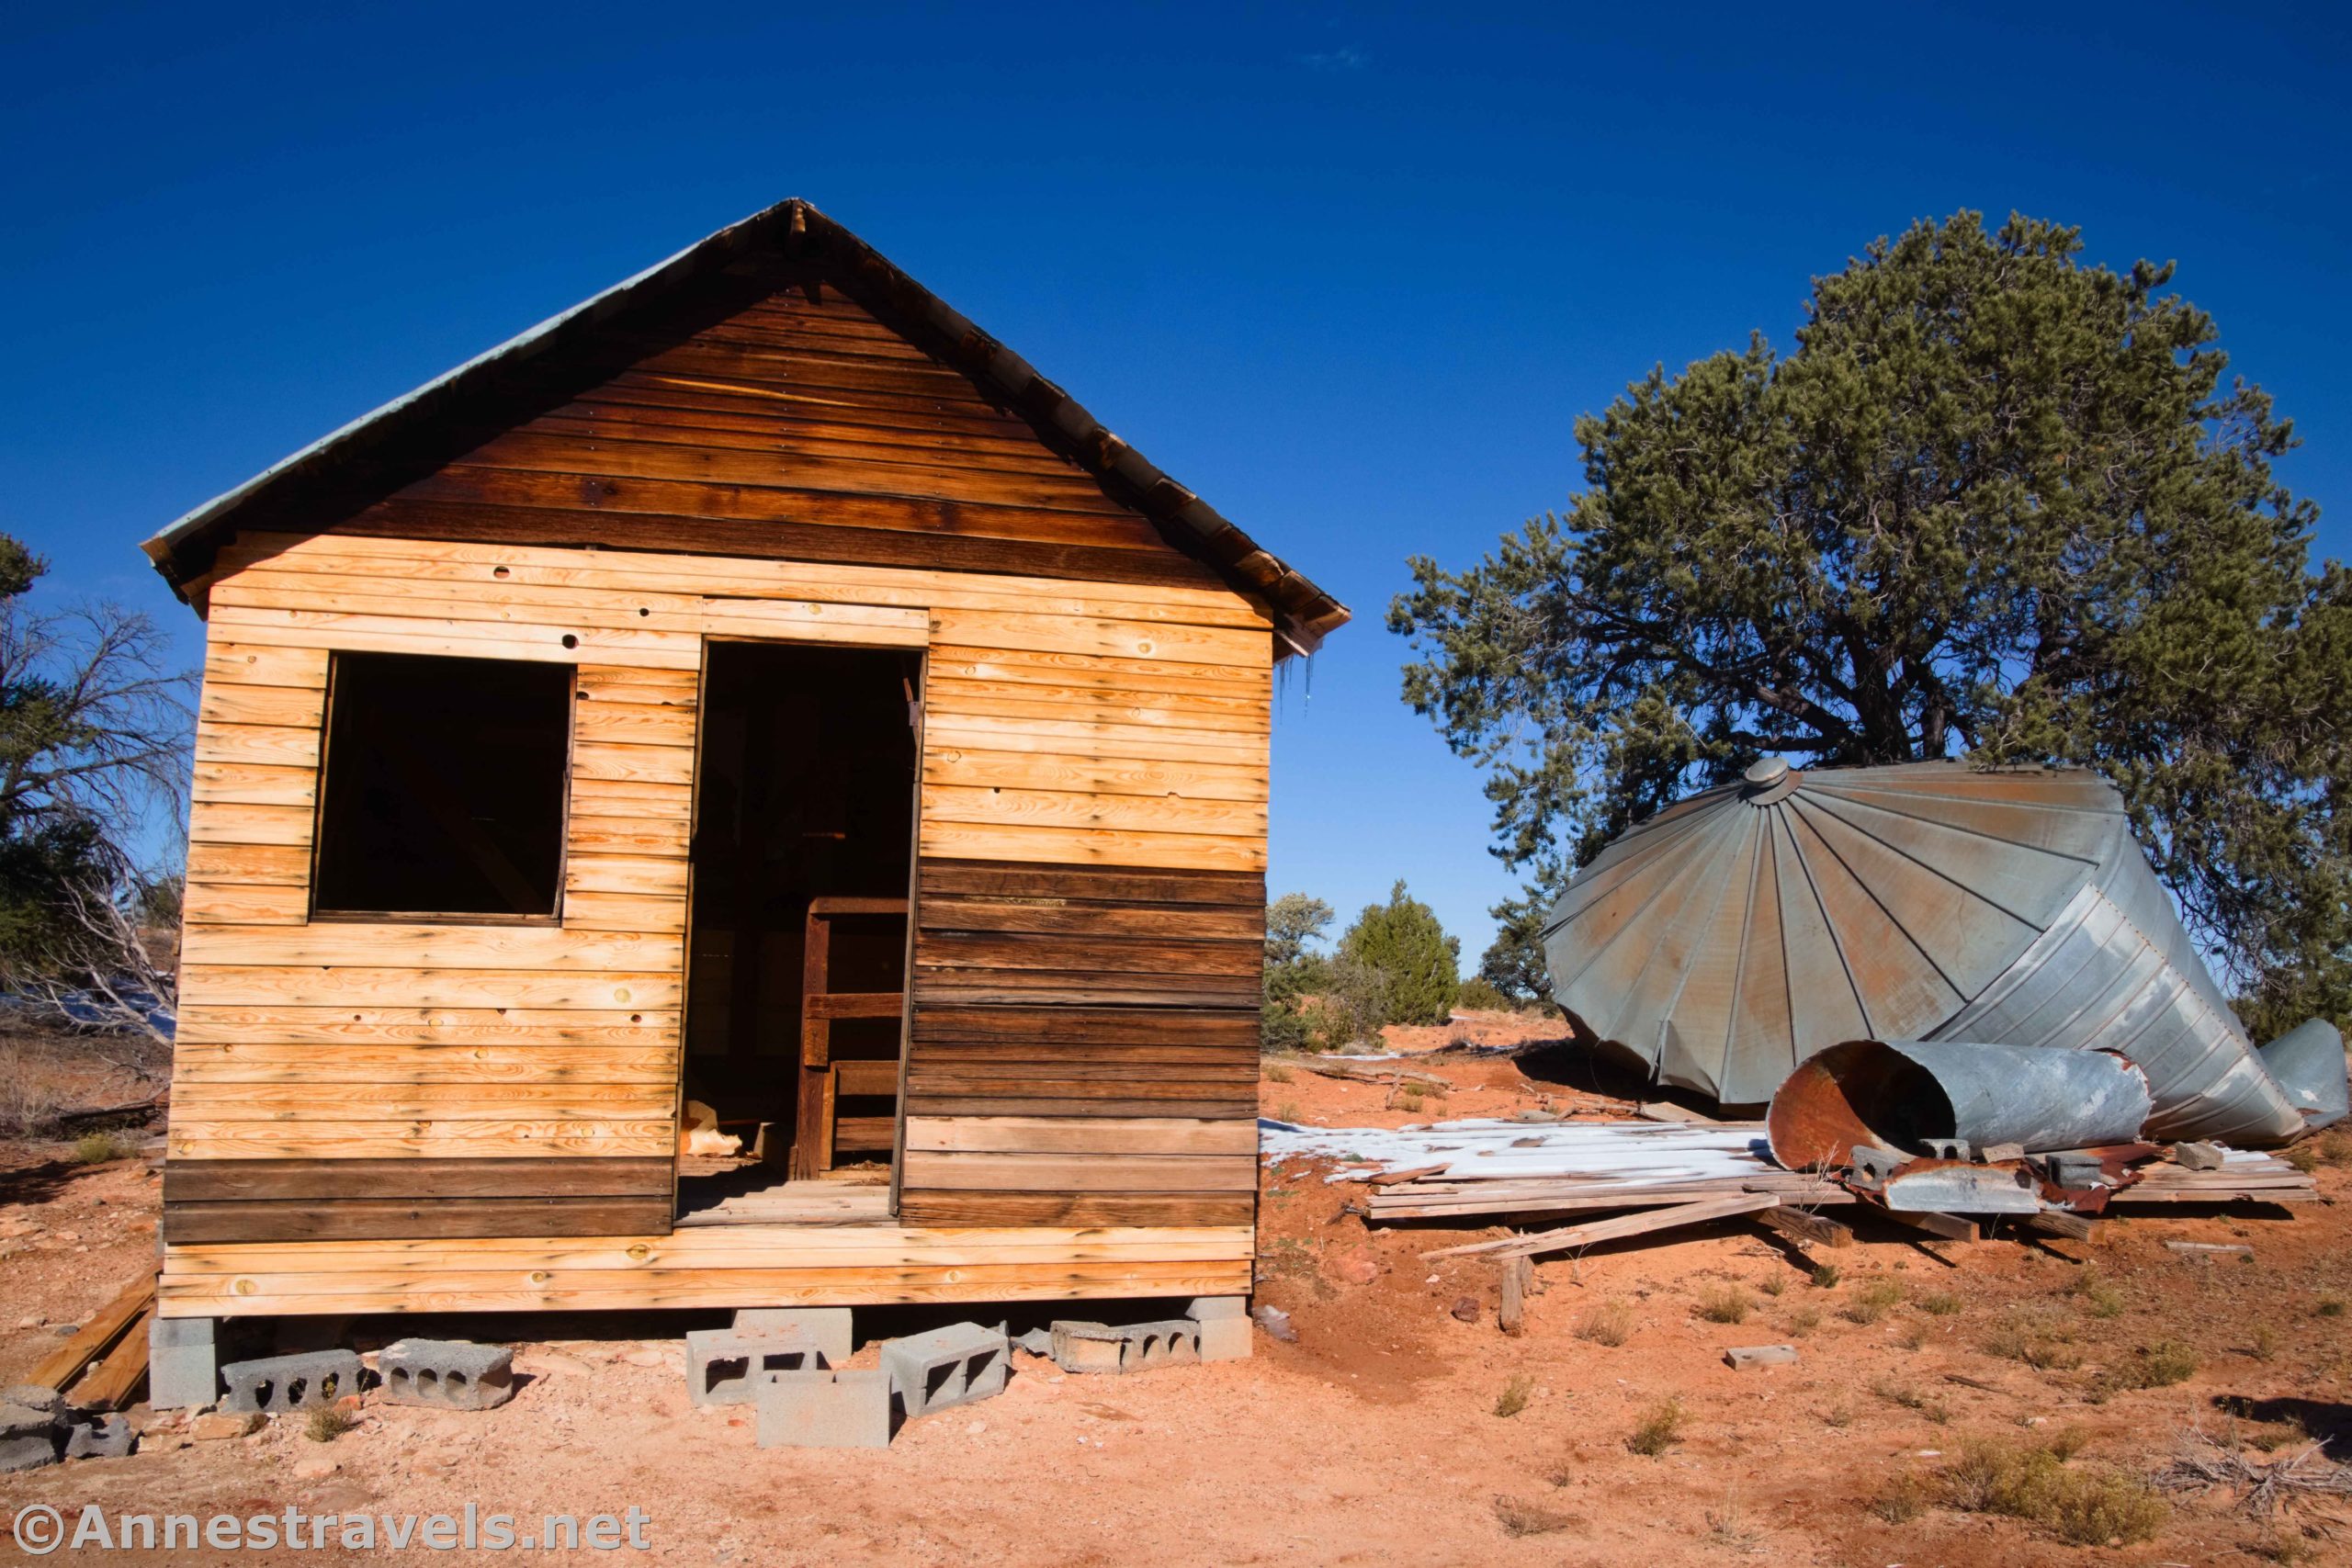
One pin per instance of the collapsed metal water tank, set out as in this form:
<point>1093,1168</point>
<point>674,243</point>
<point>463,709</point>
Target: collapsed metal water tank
<point>1745,929</point>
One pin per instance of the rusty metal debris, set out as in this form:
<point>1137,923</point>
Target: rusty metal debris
<point>1739,932</point>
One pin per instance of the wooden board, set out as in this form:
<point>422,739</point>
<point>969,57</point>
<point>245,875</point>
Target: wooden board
<point>709,1267</point>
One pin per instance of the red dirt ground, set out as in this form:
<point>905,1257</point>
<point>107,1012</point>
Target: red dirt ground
<point>1374,1438</point>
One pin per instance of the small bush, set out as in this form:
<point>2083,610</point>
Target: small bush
<point>1478,995</point>
<point>1903,1499</point>
<point>99,1148</point>
<point>1840,1416</point>
<point>1940,1304</point>
<point>1279,1072</point>
<point>2335,1146</point>
<point>2304,1157</point>
<point>1911,1398</point>
<point>1825,1276</point>
<point>1408,1099</point>
<point>1773,1284</point>
<point>1417,963</point>
<point>2328,1306</point>
<point>1912,1334</point>
<point>1803,1320</point>
<point>2265,1346</point>
<point>1872,1301</point>
<point>328,1422</point>
<point>1660,1428</point>
<point>2160,1365</point>
<point>1607,1323</point>
<point>1514,1396</point>
<point>1724,1303</point>
<point>2085,1507</point>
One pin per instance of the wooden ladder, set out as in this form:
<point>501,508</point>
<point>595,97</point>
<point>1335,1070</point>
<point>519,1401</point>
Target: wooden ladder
<point>824,1080</point>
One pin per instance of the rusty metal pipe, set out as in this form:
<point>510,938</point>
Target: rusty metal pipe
<point>1899,1094</point>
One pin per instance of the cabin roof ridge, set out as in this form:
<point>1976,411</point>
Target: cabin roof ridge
<point>1304,614</point>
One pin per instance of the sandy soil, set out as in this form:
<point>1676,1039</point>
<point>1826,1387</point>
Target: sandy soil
<point>1376,1437</point>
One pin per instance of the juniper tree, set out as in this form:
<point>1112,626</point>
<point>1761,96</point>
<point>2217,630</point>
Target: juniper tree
<point>1995,502</point>
<point>1417,963</point>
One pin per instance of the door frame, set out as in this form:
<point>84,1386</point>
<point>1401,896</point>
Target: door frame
<point>914,881</point>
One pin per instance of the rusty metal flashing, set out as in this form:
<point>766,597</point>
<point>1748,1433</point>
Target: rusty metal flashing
<point>1303,614</point>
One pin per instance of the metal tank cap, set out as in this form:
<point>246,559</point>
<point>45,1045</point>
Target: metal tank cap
<point>1769,779</point>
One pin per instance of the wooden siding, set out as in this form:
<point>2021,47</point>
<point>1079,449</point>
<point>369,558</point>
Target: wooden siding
<point>793,425</point>
<point>1085,1045</point>
<point>1087,726</point>
<point>715,1266</point>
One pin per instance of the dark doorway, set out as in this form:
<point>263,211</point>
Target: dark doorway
<point>803,850</point>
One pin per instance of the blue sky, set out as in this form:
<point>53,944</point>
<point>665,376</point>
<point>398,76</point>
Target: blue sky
<point>1351,272</point>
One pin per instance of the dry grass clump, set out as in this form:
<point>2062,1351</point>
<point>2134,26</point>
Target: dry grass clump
<point>329,1422</point>
<point>2040,1343</point>
<point>1872,1301</point>
<point>1825,1276</point>
<point>1660,1428</point>
<point>2328,1306</point>
<point>1724,1303</point>
<point>2335,1146</point>
<point>1910,1398</point>
<point>1940,1304</point>
<point>2082,1506</point>
<point>1802,1320</point>
<point>1903,1499</point>
<point>1607,1323</point>
<point>1519,1518</point>
<point>2100,1297</point>
<point>2304,1157</point>
<point>1513,1399</point>
<point>1277,1072</point>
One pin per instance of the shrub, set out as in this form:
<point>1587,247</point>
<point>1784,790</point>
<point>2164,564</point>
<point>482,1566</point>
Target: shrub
<point>1773,1284</point>
<point>2328,1306</point>
<point>2085,1507</point>
<point>1900,1500</point>
<point>1514,1396</point>
<point>1279,1072</point>
<point>1724,1303</point>
<point>1940,1304</point>
<point>1403,941</point>
<point>1609,1323</point>
<point>2041,1345</point>
<point>2100,1297</point>
<point>2160,1365</point>
<point>97,1148</point>
<point>1803,1320</point>
<point>1660,1428</point>
<point>2304,1157</point>
<point>1825,1276</point>
<point>1478,995</point>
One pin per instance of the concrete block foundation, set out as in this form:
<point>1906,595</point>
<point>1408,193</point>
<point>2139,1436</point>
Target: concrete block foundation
<point>448,1374</point>
<point>275,1385</point>
<point>183,1363</point>
<point>949,1366</point>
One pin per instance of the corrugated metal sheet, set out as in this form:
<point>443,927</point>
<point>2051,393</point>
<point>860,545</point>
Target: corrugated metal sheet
<point>1744,929</point>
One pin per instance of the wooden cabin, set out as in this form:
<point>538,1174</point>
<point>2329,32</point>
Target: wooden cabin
<point>756,689</point>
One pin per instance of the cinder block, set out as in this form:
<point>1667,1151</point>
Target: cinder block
<point>1036,1341</point>
<point>1223,1338</point>
<point>1128,1348</point>
<point>275,1385</point>
<point>724,1366</point>
<point>450,1374</point>
<point>29,1452</point>
<point>823,1410</point>
<point>183,1363</point>
<point>831,1327</point>
<point>1744,1357</point>
<point>1208,1309</point>
<point>954,1365</point>
<point>101,1436</point>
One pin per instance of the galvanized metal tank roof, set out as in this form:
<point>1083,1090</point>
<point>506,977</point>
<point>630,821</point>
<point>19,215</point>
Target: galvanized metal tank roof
<point>1747,928</point>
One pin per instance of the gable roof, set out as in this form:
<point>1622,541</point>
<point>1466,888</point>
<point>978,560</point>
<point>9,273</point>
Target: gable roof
<point>795,230</point>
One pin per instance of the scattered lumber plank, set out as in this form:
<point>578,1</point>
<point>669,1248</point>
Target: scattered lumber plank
<point>111,1384</point>
<point>1367,1072</point>
<point>1814,1228</point>
<point>1390,1178</point>
<point>1951,1227</point>
<point>1510,1317</point>
<point>95,1337</point>
<point>1666,1111</point>
<point>1623,1226</point>
<point>2210,1248</point>
<point>2058,1221</point>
